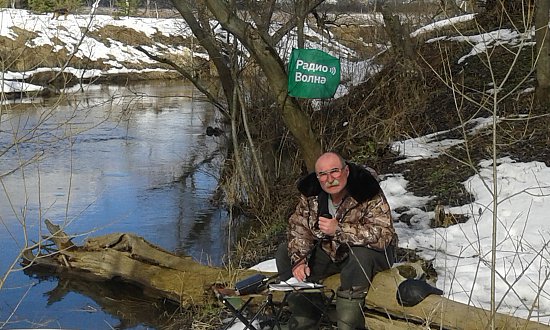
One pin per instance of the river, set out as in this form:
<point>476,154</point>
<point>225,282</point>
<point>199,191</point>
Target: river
<point>110,159</point>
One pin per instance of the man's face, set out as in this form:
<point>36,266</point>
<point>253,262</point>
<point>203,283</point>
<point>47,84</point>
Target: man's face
<point>332,175</point>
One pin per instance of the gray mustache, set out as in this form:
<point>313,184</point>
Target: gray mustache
<point>332,184</point>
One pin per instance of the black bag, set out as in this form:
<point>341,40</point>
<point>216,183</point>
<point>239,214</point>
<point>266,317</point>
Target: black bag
<point>253,284</point>
<point>411,292</point>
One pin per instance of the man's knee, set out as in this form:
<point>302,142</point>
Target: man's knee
<point>362,264</point>
<point>378,260</point>
<point>282,251</point>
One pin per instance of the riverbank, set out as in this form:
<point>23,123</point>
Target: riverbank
<point>427,127</point>
<point>41,54</point>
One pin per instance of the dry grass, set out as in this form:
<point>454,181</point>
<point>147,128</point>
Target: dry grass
<point>121,34</point>
<point>409,99</point>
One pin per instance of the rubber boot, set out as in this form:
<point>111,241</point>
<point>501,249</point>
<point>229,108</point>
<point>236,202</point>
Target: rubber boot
<point>306,311</point>
<point>349,309</point>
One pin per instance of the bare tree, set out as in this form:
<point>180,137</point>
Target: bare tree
<point>508,7</point>
<point>198,21</point>
<point>543,51</point>
<point>397,33</point>
<point>261,45</point>
<point>450,8</point>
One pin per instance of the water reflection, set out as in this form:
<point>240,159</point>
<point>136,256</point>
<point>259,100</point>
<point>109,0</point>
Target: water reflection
<point>113,159</point>
<point>125,302</point>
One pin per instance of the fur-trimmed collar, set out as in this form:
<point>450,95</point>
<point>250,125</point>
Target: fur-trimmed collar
<point>362,185</point>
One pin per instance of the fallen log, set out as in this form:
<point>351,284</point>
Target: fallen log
<point>434,311</point>
<point>181,279</point>
<point>130,258</point>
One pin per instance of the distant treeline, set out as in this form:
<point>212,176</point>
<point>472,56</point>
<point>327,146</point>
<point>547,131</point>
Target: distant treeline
<point>340,6</point>
<point>49,5</point>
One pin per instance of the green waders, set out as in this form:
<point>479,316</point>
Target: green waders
<point>306,309</point>
<point>349,309</point>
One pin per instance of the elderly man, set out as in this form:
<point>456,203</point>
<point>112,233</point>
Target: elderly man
<point>342,224</point>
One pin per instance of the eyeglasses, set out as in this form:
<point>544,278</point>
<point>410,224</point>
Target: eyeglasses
<point>333,172</point>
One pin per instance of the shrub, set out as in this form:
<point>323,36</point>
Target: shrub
<point>44,6</point>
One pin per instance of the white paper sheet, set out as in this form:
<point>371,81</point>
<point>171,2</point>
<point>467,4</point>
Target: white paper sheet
<point>293,284</point>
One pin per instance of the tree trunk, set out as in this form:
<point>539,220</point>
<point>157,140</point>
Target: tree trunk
<point>399,38</point>
<point>301,21</point>
<point>207,41</point>
<point>272,66</point>
<point>543,52</point>
<point>132,259</point>
<point>450,8</point>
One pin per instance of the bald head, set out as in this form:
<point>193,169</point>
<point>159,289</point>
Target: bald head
<point>329,157</point>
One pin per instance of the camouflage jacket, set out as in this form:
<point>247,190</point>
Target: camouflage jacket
<point>364,217</point>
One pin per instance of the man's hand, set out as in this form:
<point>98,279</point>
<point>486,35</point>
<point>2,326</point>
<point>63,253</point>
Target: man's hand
<point>301,271</point>
<point>328,225</point>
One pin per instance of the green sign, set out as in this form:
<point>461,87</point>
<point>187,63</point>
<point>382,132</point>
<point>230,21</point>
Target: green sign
<point>313,74</point>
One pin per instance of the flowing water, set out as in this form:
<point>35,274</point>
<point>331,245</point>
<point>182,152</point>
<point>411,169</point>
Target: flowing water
<point>109,159</point>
